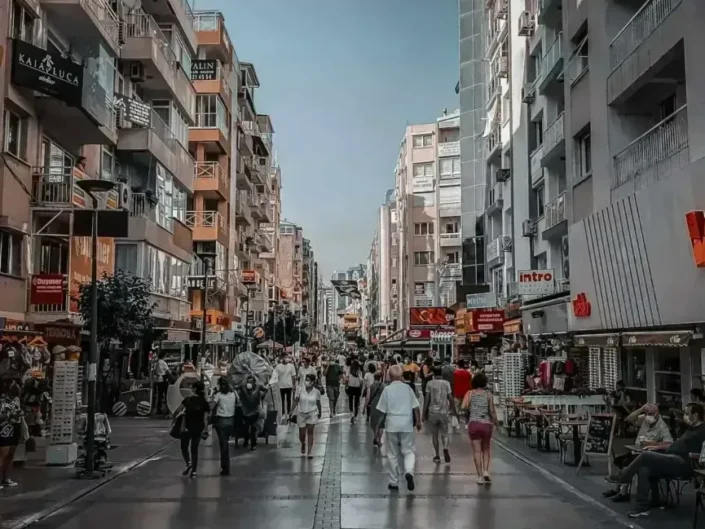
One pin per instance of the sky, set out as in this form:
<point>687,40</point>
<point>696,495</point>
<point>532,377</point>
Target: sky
<point>340,80</point>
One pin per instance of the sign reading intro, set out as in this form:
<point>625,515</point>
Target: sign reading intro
<point>536,282</point>
<point>39,70</point>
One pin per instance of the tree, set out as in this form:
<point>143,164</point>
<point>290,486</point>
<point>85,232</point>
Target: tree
<point>124,307</point>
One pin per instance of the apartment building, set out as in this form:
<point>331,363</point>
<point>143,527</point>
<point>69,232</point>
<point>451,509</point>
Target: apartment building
<point>291,265</point>
<point>91,65</point>
<point>427,212</point>
<point>388,255</point>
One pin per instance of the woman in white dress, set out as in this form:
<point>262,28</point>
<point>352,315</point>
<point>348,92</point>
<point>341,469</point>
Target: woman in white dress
<point>308,402</point>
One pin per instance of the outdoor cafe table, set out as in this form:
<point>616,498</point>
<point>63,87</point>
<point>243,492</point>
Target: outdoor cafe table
<point>575,424</point>
<point>539,415</point>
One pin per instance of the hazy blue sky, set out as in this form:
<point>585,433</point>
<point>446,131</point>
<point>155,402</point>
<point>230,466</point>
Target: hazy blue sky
<point>340,80</point>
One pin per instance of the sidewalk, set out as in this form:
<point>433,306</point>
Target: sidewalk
<point>590,484</point>
<point>42,489</point>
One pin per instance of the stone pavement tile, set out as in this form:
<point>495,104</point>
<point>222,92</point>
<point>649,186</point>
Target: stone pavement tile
<point>425,464</point>
<point>409,512</point>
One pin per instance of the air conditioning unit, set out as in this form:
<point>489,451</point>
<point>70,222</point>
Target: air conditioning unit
<point>528,228</point>
<point>124,196</point>
<point>528,93</point>
<point>565,258</point>
<point>137,74</point>
<point>120,119</point>
<point>507,243</point>
<point>527,24</point>
<point>502,175</point>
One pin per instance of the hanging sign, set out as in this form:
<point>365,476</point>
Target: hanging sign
<point>204,70</point>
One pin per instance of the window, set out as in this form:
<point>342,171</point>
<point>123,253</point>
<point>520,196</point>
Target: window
<point>211,113</point>
<point>423,228</point>
<point>165,191</point>
<point>23,23</point>
<point>423,258</point>
<point>422,200</point>
<point>423,140</point>
<point>453,257</point>
<point>423,169</point>
<point>449,167</point>
<point>537,201</point>
<point>126,258</point>
<point>16,135</point>
<point>585,154</point>
<point>538,132</point>
<point>452,227</point>
<point>107,164</point>
<point>667,107</point>
<point>179,204</point>
<point>10,253</point>
<point>53,256</point>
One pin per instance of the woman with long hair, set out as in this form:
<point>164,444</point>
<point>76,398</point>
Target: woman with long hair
<point>10,428</point>
<point>224,404</point>
<point>353,388</point>
<point>196,410</point>
<point>308,402</point>
<point>479,404</point>
<point>376,417</point>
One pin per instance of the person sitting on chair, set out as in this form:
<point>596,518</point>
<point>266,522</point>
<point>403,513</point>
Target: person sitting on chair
<point>653,430</point>
<point>673,462</point>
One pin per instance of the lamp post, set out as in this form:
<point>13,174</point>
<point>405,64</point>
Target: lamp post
<point>206,259</point>
<point>91,187</point>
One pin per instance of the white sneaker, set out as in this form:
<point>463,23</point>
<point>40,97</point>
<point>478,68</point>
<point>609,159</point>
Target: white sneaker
<point>8,483</point>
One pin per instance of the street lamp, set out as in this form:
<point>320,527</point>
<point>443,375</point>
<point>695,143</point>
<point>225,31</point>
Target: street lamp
<point>206,257</point>
<point>91,187</point>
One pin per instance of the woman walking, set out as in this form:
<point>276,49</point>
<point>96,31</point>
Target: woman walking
<point>308,402</point>
<point>196,410</point>
<point>481,416</point>
<point>374,392</point>
<point>10,429</point>
<point>224,404</point>
<point>354,389</point>
<point>367,381</point>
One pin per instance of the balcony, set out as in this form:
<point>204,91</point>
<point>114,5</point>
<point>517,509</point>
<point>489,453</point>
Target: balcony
<point>261,147</point>
<point>267,211</point>
<point>556,220</point>
<point>207,226</point>
<point>497,33</point>
<point>243,176</point>
<point>55,188</point>
<point>91,20</point>
<point>219,85</point>
<point>554,141</point>
<point>653,154</point>
<point>145,43</point>
<point>211,128</point>
<point>212,180</point>
<point>243,213</point>
<point>256,208</point>
<point>451,272</point>
<point>550,11</point>
<point>158,143</point>
<point>451,239</point>
<point>500,67</point>
<point>143,226</point>
<point>551,67</point>
<point>212,35</point>
<point>495,252</point>
<point>449,209</point>
<point>535,166</point>
<point>449,148</point>
<point>256,169</point>
<point>494,144</point>
<point>495,200</point>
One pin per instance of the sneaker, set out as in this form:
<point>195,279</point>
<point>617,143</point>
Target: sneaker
<point>615,478</point>
<point>487,479</point>
<point>610,493</point>
<point>253,448</point>
<point>223,473</point>
<point>9,483</point>
<point>186,470</point>
<point>446,455</point>
<point>393,487</point>
<point>437,459</point>
<point>410,481</point>
<point>620,498</point>
<point>193,474</point>
<point>641,513</point>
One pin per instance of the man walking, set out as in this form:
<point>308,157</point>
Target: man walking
<point>333,374</point>
<point>401,409</point>
<point>285,376</point>
<point>438,406</point>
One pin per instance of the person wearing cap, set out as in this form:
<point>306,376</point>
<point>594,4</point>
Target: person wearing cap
<point>653,431</point>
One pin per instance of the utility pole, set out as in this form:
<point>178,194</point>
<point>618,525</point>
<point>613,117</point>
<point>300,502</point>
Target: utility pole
<point>204,326</point>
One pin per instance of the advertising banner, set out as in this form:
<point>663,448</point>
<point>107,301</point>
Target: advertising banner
<point>485,320</point>
<point>422,184</point>
<point>204,70</point>
<point>347,287</point>
<point>484,300</point>
<point>47,289</point>
<point>536,282</point>
<point>80,265</point>
<point>250,277</point>
<point>134,111</point>
<point>430,316</point>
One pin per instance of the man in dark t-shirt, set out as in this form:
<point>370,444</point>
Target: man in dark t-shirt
<point>333,373</point>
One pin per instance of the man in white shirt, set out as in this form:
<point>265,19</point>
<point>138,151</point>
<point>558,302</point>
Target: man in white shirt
<point>306,369</point>
<point>162,374</point>
<point>401,409</point>
<point>285,375</point>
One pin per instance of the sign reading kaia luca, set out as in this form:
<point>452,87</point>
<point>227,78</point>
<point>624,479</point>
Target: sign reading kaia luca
<point>536,282</point>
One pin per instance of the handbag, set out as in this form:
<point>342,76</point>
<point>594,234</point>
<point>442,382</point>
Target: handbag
<point>177,426</point>
<point>24,431</point>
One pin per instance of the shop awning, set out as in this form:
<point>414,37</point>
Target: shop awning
<point>512,326</point>
<point>657,338</point>
<point>597,340</point>
<point>405,344</point>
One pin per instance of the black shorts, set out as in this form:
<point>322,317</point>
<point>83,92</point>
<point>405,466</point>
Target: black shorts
<point>9,434</point>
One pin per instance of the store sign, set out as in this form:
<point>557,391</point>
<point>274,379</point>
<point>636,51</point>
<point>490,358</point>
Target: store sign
<point>485,320</point>
<point>37,69</point>
<point>581,306</point>
<point>133,110</point>
<point>204,70</point>
<point>427,334</point>
<point>431,316</point>
<point>80,264</point>
<point>460,322</point>
<point>250,277</point>
<point>57,334</point>
<point>422,184</point>
<point>695,222</point>
<point>47,289</point>
<point>196,282</point>
<point>485,300</point>
<point>536,282</point>
<point>419,288</point>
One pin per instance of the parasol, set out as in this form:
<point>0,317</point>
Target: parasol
<point>249,363</point>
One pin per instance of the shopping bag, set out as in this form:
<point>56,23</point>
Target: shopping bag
<point>177,426</point>
<point>282,435</point>
<point>455,423</point>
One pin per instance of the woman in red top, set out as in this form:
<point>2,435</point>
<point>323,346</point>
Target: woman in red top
<point>462,383</point>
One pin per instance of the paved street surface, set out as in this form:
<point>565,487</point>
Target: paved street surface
<point>343,486</point>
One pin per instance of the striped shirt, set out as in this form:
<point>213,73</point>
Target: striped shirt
<point>480,407</point>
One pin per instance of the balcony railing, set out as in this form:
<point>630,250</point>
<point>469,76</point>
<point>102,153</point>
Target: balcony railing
<point>142,25</point>
<point>495,195</point>
<point>451,239</point>
<point>494,140</point>
<point>212,120</point>
<point>53,185</point>
<point>139,206</point>
<point>555,134</point>
<point>637,30</point>
<point>105,15</point>
<point>251,127</point>
<point>205,219</point>
<point>555,211</point>
<point>659,143</point>
<point>207,21</point>
<point>551,59</point>
<point>535,165</point>
<point>210,170</point>
<point>495,250</point>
